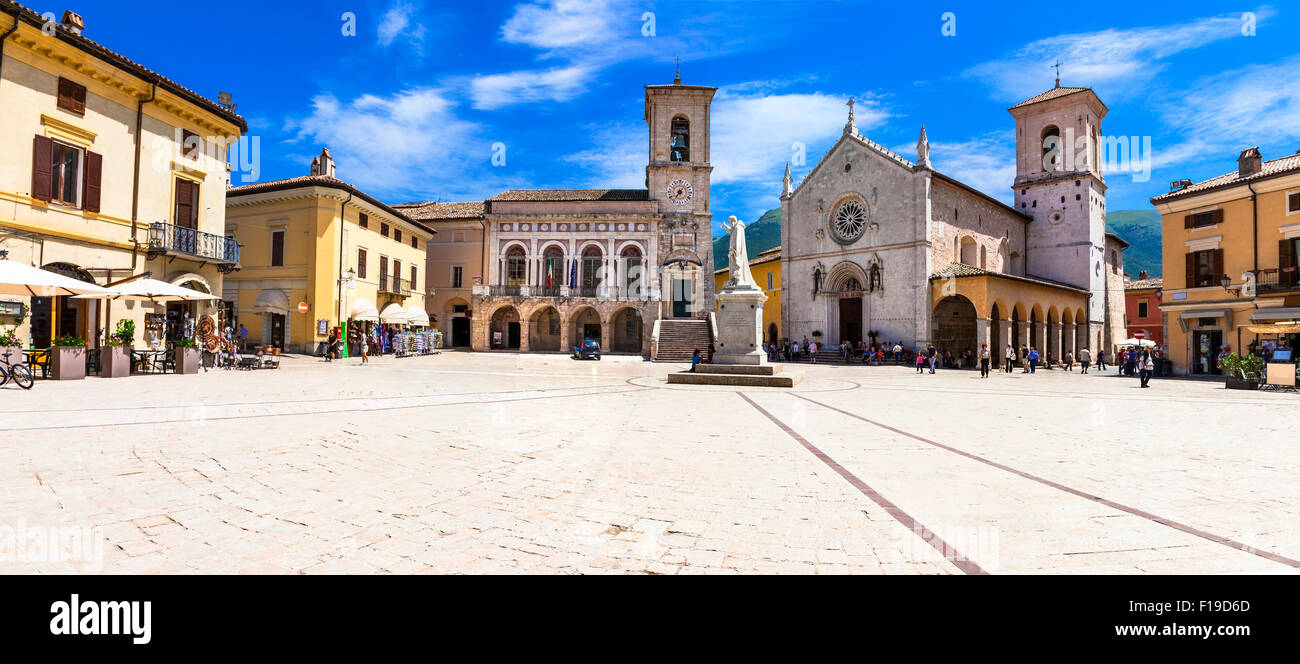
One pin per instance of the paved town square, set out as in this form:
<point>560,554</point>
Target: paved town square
<point>505,463</point>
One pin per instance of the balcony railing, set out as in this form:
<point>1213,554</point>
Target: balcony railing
<point>593,292</point>
<point>1277,280</point>
<point>170,239</point>
<point>394,286</point>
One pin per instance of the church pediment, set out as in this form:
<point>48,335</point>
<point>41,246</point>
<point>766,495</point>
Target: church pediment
<point>853,146</point>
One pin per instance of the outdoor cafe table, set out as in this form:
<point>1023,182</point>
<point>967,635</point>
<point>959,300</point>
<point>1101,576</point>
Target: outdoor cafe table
<point>145,359</point>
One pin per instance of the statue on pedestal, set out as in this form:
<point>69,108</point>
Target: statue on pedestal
<point>738,257</point>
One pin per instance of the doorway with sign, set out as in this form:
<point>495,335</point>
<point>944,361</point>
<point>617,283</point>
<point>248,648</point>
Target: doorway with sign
<point>683,297</point>
<point>1205,352</point>
<point>277,330</point>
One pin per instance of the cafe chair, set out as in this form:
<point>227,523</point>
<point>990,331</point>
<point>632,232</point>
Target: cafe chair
<point>167,362</point>
<point>93,356</point>
<point>41,359</point>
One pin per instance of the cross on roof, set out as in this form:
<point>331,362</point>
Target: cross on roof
<point>677,77</point>
<point>1058,72</point>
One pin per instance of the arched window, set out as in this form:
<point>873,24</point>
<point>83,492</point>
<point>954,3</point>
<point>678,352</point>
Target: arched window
<point>592,268</point>
<point>633,268</point>
<point>680,142</point>
<point>1052,149</point>
<point>553,268</point>
<point>984,257</point>
<point>516,266</point>
<point>968,254</point>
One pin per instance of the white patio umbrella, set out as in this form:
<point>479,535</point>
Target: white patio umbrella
<point>1144,343</point>
<point>25,280</point>
<point>153,291</point>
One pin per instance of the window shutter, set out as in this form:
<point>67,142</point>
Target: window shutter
<point>361,263</point>
<point>1294,200</point>
<point>1189,221</point>
<point>42,168</point>
<point>184,204</point>
<point>91,184</point>
<point>1286,254</point>
<point>1191,271</point>
<point>1219,268</point>
<point>1217,216</point>
<point>414,275</point>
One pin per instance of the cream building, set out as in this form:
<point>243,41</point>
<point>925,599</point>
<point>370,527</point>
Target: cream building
<point>318,243</point>
<point>881,248</point>
<point>111,171</point>
<point>454,261</point>
<point>630,268</point>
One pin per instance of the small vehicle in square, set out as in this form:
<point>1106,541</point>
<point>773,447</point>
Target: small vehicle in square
<point>589,350</point>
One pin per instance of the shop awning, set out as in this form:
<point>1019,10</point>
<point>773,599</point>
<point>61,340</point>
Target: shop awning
<point>1275,314</point>
<point>1225,314</point>
<point>393,314</point>
<point>273,301</point>
<point>417,317</point>
<point>1281,328</point>
<point>364,310</point>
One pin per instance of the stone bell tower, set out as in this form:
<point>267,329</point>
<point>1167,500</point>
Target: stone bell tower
<point>677,177</point>
<point>1059,183</point>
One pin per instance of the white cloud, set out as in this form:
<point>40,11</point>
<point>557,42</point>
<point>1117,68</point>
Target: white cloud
<point>396,22</point>
<point>497,90</point>
<point>406,144</point>
<point>1124,60</point>
<point>562,23</point>
<point>987,162</point>
<point>618,156</point>
<point>1252,106</point>
<point>753,135</point>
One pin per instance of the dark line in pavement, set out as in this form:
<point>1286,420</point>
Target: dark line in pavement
<point>102,425</point>
<point>947,551</point>
<point>1217,539</point>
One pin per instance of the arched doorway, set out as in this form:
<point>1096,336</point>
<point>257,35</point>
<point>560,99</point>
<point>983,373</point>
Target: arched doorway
<point>552,271</point>
<point>627,332</point>
<point>1017,338</point>
<point>544,330</point>
<point>53,317</point>
<point>585,324</point>
<point>504,333</point>
<point>457,317</point>
<point>1053,353</point>
<point>1035,329</point>
<point>969,251</point>
<point>850,304</point>
<point>773,334</point>
<point>955,325</point>
<point>593,267</point>
<point>846,290</point>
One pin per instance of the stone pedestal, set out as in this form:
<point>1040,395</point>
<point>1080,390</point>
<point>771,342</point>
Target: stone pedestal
<point>740,327</point>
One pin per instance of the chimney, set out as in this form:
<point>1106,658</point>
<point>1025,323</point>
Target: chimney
<point>1142,275</point>
<point>315,165</point>
<point>326,163</point>
<point>1249,163</point>
<point>73,22</point>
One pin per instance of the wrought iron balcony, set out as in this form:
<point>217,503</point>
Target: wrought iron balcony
<point>172,240</point>
<point>1274,280</point>
<point>394,286</point>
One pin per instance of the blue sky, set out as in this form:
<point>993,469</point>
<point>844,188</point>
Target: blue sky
<point>412,105</point>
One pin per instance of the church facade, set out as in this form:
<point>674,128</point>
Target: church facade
<point>879,248</point>
<point>612,265</point>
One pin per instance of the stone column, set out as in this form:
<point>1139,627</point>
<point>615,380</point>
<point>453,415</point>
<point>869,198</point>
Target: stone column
<point>523,334</point>
<point>1041,341</point>
<point>1054,336</point>
<point>983,335</point>
<point>566,340</point>
<point>1004,335</point>
<point>1070,341</point>
<point>606,333</point>
<point>1024,337</point>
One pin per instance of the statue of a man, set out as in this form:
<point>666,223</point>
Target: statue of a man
<point>738,256</point>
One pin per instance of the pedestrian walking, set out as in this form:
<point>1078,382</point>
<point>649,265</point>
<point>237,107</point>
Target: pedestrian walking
<point>1069,361</point>
<point>812,350</point>
<point>986,359</point>
<point>365,350</point>
<point>1148,365</point>
<point>898,353</point>
<point>1084,359</point>
<point>1010,356</point>
<point>1033,360</point>
<point>920,362</point>
<point>933,354</point>
<point>1101,359</point>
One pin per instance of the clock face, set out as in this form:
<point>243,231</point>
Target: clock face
<point>680,192</point>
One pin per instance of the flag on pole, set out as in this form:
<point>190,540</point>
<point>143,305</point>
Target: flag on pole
<point>573,275</point>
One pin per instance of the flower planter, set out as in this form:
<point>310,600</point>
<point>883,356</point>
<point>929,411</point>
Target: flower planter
<point>115,362</point>
<point>68,362</point>
<point>187,360</point>
<point>15,357</point>
<point>1241,384</point>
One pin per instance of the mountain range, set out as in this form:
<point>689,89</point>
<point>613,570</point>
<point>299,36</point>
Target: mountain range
<point>1140,228</point>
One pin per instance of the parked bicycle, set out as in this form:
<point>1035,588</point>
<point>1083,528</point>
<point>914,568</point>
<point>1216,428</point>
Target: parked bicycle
<point>18,373</point>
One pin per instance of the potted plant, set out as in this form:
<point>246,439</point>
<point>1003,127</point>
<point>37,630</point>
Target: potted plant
<point>10,343</point>
<point>115,359</point>
<point>1242,373</point>
<point>187,356</point>
<point>125,333</point>
<point>68,358</point>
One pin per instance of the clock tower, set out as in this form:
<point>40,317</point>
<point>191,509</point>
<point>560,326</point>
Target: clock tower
<point>677,177</point>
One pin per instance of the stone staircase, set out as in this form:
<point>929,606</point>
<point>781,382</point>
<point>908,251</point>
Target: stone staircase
<point>679,338</point>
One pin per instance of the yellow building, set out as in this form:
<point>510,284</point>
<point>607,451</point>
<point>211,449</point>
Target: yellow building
<point>317,250</point>
<point>1230,273</point>
<point>766,268</point>
<point>110,171</point>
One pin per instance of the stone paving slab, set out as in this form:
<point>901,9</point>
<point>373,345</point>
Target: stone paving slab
<point>477,463</point>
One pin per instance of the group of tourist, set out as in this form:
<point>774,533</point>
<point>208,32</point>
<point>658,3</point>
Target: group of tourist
<point>805,350</point>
